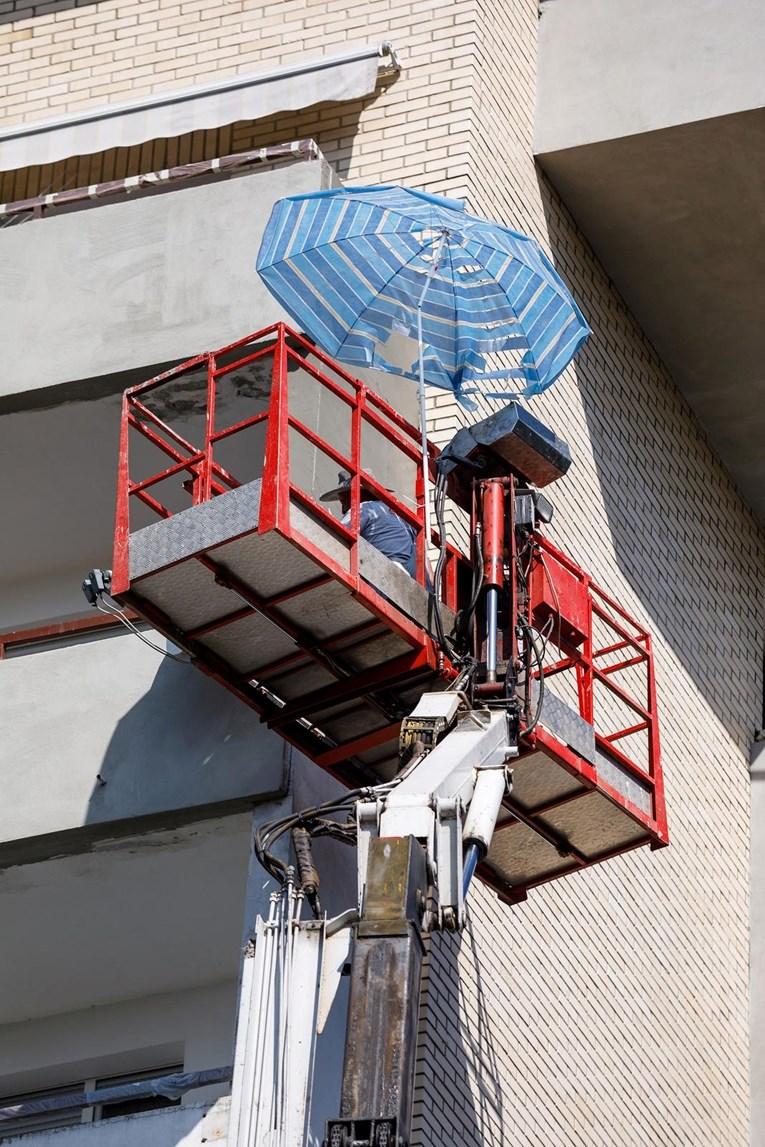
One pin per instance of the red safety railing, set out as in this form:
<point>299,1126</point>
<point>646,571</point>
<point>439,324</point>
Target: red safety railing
<point>299,418</point>
<point>611,674</point>
<point>200,474</point>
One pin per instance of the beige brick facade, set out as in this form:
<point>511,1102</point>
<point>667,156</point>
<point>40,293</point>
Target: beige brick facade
<point>611,1009</point>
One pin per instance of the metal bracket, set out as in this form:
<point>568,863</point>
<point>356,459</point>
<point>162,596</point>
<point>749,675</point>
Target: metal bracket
<point>429,801</point>
<point>448,858</point>
<point>363,1133</point>
<point>432,717</point>
<point>368,827</point>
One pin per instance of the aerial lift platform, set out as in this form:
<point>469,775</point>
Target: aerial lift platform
<point>222,543</point>
<point>496,715</point>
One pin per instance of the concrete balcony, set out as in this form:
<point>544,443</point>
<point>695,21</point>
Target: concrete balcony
<point>100,731</point>
<point>102,734</point>
<point>137,281</point>
<point>651,126</point>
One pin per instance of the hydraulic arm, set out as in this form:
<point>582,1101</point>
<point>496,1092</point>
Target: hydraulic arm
<point>420,836</point>
<point>311,625</point>
<point>411,845</point>
<point>419,839</point>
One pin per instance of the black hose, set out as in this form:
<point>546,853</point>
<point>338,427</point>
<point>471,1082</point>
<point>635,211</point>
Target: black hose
<point>529,640</point>
<point>438,505</point>
<point>308,874</point>
<point>312,819</point>
<point>458,646</point>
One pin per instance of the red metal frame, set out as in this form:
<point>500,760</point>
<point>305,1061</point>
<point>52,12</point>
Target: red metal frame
<point>594,670</point>
<point>595,677</point>
<point>206,478</point>
<point>598,672</point>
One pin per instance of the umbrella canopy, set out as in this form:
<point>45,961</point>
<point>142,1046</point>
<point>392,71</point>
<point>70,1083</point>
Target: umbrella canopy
<point>413,284</point>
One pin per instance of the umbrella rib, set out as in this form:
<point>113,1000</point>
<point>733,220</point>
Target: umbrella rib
<point>453,284</point>
<point>387,282</point>
<point>399,212</point>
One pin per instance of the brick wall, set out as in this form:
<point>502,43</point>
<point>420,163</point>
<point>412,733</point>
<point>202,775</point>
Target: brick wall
<point>611,1009</point>
<point>57,58</point>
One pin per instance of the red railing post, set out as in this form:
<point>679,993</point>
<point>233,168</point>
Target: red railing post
<point>275,487</point>
<point>584,669</point>
<point>654,747</point>
<point>357,413</point>
<point>121,557</point>
<point>203,480</point>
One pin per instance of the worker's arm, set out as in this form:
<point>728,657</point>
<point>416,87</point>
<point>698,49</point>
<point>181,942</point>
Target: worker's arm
<point>363,517</point>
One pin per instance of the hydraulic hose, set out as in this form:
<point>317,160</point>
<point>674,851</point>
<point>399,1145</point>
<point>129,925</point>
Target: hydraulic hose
<point>472,856</point>
<point>308,873</point>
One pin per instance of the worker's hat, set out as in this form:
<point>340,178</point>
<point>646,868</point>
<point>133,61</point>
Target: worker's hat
<point>344,487</point>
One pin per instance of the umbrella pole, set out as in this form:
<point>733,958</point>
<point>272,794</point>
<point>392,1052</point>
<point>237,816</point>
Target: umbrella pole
<point>423,410</point>
<point>424,432</point>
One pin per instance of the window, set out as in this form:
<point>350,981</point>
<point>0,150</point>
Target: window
<point>93,1113</point>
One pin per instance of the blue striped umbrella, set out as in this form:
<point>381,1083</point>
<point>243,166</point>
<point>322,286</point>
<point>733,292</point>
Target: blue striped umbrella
<point>355,266</point>
<point>410,283</point>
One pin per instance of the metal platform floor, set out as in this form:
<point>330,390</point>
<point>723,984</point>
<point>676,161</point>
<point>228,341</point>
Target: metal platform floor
<point>272,624</point>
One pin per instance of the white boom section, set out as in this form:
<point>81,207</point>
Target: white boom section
<point>466,768</point>
<point>291,968</point>
<point>276,1030</point>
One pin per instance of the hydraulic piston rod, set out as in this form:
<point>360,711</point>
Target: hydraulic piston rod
<point>493,507</point>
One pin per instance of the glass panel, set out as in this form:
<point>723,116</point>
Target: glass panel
<point>181,403</point>
<point>389,465</point>
<point>245,391</point>
<point>329,417</point>
<point>325,370</point>
<point>242,454</point>
<point>146,460</point>
<point>312,470</point>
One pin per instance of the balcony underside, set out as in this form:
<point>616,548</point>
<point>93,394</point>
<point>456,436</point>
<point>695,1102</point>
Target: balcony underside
<point>675,216</point>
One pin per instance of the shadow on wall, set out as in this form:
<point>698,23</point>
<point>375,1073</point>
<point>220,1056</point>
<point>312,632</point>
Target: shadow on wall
<point>185,743</point>
<point>682,538</point>
<point>458,1094</point>
<point>321,123</point>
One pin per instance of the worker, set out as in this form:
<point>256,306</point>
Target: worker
<point>379,525</point>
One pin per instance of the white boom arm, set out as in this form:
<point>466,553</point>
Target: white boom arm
<point>419,839</point>
<point>465,773</point>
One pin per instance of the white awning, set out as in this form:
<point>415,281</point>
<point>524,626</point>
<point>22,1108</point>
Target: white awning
<point>329,78</point>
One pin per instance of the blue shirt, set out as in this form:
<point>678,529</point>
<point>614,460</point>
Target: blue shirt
<point>387,532</point>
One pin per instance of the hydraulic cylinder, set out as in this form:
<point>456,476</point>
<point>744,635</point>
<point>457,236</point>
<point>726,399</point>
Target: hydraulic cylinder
<point>493,541</point>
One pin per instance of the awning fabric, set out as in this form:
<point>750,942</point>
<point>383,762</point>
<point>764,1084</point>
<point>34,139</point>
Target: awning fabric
<point>330,78</point>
